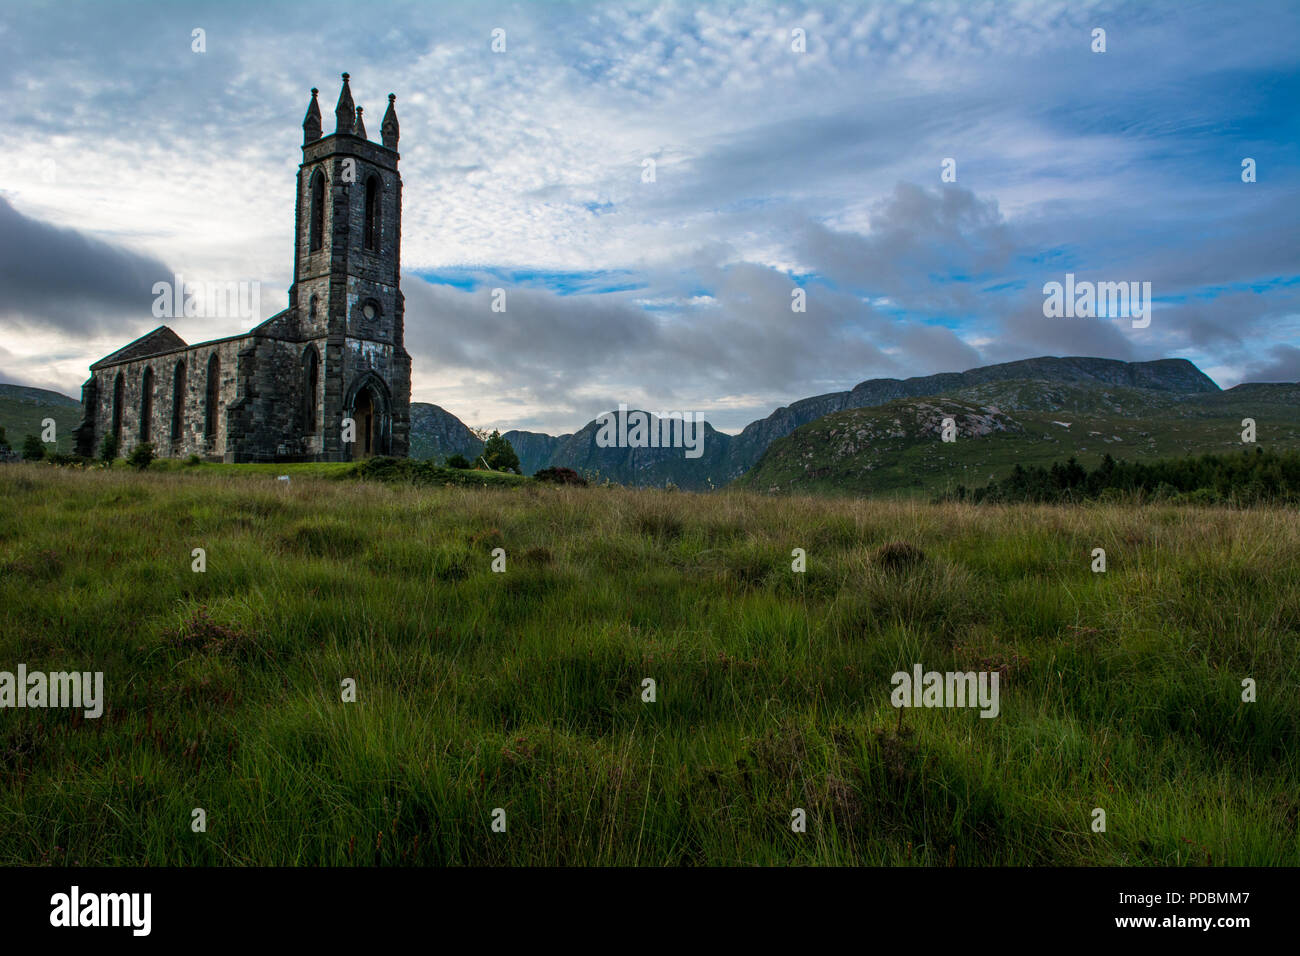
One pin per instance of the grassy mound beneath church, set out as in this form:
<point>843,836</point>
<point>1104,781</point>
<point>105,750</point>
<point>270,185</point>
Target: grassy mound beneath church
<point>402,470</point>
<point>523,689</point>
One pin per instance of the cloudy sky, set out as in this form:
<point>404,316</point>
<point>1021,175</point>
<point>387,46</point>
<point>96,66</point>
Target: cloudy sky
<point>129,157</point>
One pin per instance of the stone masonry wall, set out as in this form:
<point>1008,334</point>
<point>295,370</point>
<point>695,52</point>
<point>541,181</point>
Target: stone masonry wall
<point>192,439</point>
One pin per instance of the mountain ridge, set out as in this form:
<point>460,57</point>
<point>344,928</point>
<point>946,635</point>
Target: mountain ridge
<point>897,447</point>
<point>1159,375</point>
<point>727,457</point>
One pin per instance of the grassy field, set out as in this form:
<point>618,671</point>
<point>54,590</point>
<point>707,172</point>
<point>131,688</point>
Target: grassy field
<point>522,690</point>
<point>426,471</point>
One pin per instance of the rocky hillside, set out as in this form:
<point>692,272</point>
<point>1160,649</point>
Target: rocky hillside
<point>1175,376</point>
<point>437,433</point>
<point>897,447</point>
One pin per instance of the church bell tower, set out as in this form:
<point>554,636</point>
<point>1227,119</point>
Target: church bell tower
<point>346,294</point>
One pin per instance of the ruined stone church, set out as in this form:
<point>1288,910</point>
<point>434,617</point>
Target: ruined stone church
<point>327,379</point>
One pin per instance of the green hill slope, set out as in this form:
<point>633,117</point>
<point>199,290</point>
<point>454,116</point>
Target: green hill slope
<point>22,409</point>
<point>897,448</point>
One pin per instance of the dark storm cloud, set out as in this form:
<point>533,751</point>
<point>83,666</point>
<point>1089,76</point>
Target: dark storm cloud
<point>1282,365</point>
<point>58,278</point>
<point>925,248</point>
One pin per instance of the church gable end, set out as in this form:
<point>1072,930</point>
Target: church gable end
<point>161,339</point>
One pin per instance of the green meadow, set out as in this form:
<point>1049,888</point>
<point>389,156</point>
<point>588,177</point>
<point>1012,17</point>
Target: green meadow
<point>524,689</point>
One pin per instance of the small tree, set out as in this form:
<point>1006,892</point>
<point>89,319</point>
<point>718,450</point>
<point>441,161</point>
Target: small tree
<point>4,442</point>
<point>108,448</point>
<point>142,456</point>
<point>457,461</point>
<point>499,454</point>
<point>33,450</point>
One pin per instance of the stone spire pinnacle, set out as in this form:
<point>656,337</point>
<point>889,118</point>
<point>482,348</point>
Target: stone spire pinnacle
<point>389,128</point>
<point>345,113</point>
<point>361,127</point>
<point>311,122</point>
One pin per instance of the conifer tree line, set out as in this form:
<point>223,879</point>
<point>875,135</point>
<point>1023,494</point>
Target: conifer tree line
<point>1246,478</point>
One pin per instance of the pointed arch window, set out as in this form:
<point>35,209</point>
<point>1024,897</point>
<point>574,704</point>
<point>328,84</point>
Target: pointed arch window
<point>178,400</point>
<point>213,398</point>
<point>118,387</point>
<point>317,212</point>
<point>310,384</point>
<point>146,404</point>
<point>373,190</point>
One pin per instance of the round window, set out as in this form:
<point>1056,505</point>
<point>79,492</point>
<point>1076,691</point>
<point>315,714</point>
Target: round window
<point>368,311</point>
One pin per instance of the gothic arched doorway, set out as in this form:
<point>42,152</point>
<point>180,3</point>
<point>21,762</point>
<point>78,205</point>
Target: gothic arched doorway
<point>368,405</point>
<point>364,415</point>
